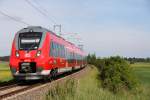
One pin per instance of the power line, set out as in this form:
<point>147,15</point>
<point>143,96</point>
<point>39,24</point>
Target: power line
<point>40,11</point>
<point>44,12</point>
<point>13,18</point>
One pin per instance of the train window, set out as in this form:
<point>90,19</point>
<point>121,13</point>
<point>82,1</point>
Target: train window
<point>59,50</point>
<point>29,40</point>
<point>63,51</point>
<point>72,56</point>
<point>51,49</point>
<point>69,56</point>
<point>55,51</point>
<point>75,56</point>
<point>66,53</point>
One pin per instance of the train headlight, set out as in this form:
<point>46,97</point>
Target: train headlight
<point>17,54</point>
<point>13,70</point>
<point>38,53</point>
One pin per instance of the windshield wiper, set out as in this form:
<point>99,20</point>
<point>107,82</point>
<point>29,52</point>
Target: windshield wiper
<point>31,47</point>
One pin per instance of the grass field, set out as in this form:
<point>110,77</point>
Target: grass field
<point>142,70</point>
<point>5,74</point>
<point>89,87</point>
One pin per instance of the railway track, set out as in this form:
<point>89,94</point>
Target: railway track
<point>9,91</point>
<point>13,89</point>
<point>8,86</point>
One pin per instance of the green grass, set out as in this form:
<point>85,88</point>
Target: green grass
<point>5,74</point>
<point>142,70</point>
<point>4,66</point>
<point>141,64</point>
<point>89,88</point>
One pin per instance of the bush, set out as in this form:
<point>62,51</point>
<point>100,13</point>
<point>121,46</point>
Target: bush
<point>115,73</point>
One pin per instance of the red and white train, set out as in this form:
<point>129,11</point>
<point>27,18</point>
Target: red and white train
<point>38,53</point>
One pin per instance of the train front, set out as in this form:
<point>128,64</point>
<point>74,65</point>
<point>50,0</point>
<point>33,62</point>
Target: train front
<point>27,60</point>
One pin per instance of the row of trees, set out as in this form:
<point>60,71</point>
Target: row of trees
<point>130,59</point>
<point>133,60</point>
<point>4,58</point>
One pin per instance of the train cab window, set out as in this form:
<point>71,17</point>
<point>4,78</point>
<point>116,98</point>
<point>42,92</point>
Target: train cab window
<point>29,40</point>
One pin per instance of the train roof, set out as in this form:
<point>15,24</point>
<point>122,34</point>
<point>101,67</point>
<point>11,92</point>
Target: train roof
<point>44,30</point>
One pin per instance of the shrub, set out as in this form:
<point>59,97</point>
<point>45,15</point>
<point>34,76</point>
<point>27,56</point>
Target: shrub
<point>116,74</point>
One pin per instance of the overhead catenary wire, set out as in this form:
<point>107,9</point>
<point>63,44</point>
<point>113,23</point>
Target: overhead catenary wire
<point>45,13</point>
<point>13,18</point>
<point>4,13</point>
<point>40,11</point>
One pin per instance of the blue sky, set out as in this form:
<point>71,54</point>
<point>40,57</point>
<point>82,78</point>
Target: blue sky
<point>107,27</point>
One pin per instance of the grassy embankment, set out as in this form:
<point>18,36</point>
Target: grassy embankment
<point>89,88</point>
<point>5,74</point>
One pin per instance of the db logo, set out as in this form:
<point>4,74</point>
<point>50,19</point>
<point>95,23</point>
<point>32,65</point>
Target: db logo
<point>27,55</point>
